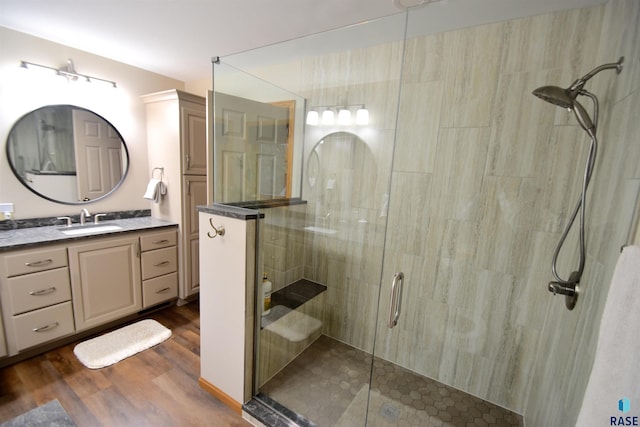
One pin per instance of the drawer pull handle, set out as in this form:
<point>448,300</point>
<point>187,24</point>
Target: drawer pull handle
<point>47,327</point>
<point>163,290</point>
<point>160,264</point>
<point>38,263</point>
<point>159,242</point>
<point>43,291</point>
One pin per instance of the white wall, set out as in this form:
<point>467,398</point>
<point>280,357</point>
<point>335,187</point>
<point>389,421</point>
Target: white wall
<point>21,92</point>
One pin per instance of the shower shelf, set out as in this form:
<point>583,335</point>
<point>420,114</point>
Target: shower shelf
<point>292,296</point>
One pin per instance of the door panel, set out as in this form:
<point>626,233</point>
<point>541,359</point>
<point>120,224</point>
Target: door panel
<point>98,151</point>
<point>248,132</point>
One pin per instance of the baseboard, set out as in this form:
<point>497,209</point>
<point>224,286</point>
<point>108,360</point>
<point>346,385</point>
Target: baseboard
<point>220,395</point>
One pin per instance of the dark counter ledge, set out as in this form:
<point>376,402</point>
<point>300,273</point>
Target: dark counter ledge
<point>230,211</point>
<point>265,204</point>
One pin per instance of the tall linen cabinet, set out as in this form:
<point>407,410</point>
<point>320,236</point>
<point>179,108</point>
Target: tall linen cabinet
<point>176,141</point>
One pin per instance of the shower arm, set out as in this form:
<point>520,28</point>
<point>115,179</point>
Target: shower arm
<point>576,87</point>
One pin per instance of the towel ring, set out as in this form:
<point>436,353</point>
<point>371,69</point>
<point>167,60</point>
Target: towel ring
<point>161,169</point>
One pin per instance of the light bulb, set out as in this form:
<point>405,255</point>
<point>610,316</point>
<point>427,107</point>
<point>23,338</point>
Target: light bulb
<point>312,118</point>
<point>344,117</point>
<point>362,117</point>
<point>328,117</point>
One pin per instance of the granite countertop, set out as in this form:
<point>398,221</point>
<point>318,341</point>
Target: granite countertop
<point>230,211</point>
<point>25,237</point>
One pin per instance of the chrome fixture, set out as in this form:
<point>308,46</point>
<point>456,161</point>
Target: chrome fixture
<point>217,231</point>
<point>68,71</point>
<point>96,218</point>
<point>84,214</point>
<point>67,219</point>
<point>328,116</point>
<point>395,302</point>
<point>567,98</point>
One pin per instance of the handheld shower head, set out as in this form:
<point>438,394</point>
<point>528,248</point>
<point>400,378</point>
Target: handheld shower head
<point>565,98</point>
<point>555,95</point>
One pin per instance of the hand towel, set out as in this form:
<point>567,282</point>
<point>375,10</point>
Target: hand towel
<point>615,375</point>
<point>155,189</point>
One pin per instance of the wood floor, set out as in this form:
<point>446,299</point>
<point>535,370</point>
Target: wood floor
<point>157,387</point>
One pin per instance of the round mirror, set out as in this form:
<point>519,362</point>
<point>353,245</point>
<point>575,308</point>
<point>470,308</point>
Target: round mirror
<point>67,154</point>
<point>342,173</point>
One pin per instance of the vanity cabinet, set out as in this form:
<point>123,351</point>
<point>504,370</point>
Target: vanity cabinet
<point>55,290</point>
<point>36,297</point>
<point>105,278</point>
<point>177,140</point>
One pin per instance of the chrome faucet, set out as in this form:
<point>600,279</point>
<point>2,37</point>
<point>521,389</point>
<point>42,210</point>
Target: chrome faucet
<point>84,214</point>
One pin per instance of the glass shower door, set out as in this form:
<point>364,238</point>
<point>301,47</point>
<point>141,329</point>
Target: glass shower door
<point>323,251</point>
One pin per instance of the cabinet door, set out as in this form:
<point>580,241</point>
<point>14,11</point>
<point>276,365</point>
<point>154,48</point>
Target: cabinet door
<point>193,123</point>
<point>105,278</point>
<point>195,190</point>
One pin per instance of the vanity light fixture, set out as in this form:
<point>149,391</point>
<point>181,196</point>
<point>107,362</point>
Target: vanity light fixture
<point>69,72</point>
<point>328,116</point>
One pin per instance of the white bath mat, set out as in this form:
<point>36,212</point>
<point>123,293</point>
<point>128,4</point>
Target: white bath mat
<point>114,346</point>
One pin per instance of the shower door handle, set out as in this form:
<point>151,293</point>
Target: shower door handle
<point>396,299</point>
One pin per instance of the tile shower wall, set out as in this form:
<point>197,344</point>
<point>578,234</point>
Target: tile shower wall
<point>347,190</point>
<point>283,244</point>
<point>567,349</point>
<point>483,177</point>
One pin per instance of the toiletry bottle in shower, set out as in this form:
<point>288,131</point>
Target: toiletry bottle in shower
<point>266,295</point>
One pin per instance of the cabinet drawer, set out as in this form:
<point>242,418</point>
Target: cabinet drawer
<point>159,289</point>
<point>33,261</point>
<point>159,262</point>
<point>32,291</point>
<point>40,326</point>
<point>158,240</point>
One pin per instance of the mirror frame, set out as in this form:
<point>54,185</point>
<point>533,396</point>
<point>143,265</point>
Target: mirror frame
<point>20,179</point>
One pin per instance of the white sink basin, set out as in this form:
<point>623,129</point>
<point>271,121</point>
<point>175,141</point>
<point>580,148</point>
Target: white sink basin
<point>89,229</point>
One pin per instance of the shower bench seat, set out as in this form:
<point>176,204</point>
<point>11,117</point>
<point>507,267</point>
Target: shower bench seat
<point>292,296</point>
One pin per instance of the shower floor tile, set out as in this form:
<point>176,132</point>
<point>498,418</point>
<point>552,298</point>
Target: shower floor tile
<point>328,384</point>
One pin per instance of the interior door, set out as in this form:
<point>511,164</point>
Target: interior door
<point>98,151</point>
<point>251,149</point>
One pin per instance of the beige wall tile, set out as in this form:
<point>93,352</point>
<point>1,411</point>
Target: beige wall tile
<point>472,58</point>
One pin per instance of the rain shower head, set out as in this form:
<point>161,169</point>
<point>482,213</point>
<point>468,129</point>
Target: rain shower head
<point>566,98</point>
<point>556,95</point>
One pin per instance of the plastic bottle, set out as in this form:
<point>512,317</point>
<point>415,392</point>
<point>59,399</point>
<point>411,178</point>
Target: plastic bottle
<point>266,295</point>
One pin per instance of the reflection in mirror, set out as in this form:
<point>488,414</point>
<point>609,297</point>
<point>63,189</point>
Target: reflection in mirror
<point>252,140</point>
<point>67,154</point>
<point>257,139</point>
<point>342,178</point>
